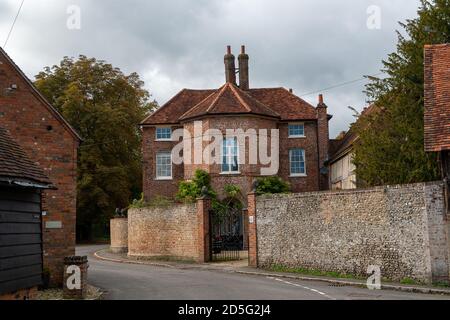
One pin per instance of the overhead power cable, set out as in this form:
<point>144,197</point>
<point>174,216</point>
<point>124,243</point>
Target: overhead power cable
<point>339,85</point>
<point>13,24</point>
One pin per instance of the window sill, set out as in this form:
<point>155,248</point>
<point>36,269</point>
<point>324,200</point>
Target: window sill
<point>163,140</point>
<point>230,173</point>
<point>298,176</point>
<point>296,137</point>
<point>164,179</point>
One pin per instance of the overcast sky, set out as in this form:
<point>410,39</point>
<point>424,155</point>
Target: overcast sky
<point>307,45</point>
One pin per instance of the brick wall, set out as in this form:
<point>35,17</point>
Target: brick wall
<point>403,229</point>
<point>248,173</point>
<point>54,148</point>
<point>152,186</point>
<point>177,232</point>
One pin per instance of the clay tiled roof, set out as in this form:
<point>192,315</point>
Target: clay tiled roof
<point>229,99</point>
<point>343,146</point>
<point>286,104</point>
<point>170,112</point>
<point>15,164</point>
<point>340,147</point>
<point>437,97</point>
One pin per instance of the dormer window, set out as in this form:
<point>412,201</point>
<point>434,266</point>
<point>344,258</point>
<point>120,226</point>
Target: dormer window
<point>163,134</point>
<point>296,130</point>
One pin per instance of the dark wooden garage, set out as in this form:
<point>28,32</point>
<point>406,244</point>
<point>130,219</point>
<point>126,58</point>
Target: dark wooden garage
<point>21,182</point>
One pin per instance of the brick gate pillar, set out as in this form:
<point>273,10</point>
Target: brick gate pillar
<point>203,208</point>
<point>252,234</point>
<point>75,277</point>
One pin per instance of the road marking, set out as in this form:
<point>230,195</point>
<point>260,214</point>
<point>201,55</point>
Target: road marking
<point>99,257</point>
<point>303,287</point>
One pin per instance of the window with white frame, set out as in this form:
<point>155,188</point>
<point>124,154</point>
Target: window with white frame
<point>230,153</point>
<point>297,162</point>
<point>164,165</point>
<point>163,133</point>
<point>296,130</point>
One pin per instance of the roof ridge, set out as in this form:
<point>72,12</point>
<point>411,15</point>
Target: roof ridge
<point>262,104</point>
<point>51,108</point>
<point>237,95</point>
<point>197,105</point>
<point>221,92</point>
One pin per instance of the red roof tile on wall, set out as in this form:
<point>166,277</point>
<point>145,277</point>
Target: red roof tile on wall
<point>437,98</point>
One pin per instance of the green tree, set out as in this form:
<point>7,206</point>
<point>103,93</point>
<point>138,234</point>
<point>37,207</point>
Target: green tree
<point>105,106</point>
<point>390,149</point>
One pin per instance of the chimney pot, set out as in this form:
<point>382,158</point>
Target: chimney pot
<point>230,67</point>
<point>244,82</point>
<point>320,98</point>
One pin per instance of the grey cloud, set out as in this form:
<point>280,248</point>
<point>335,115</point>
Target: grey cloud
<point>305,45</point>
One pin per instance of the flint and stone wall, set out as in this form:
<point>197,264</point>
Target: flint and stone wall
<point>119,235</point>
<point>403,229</point>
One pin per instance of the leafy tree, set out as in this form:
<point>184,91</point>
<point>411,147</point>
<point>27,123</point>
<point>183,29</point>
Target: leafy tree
<point>105,106</point>
<point>390,148</point>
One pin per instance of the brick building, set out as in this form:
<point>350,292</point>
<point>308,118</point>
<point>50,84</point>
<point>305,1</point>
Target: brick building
<point>52,144</point>
<point>303,134</point>
<point>342,170</point>
<point>437,105</point>
<point>21,184</point>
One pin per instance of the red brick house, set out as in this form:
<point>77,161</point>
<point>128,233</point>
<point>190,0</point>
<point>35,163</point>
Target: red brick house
<point>52,144</point>
<point>21,185</point>
<point>303,134</point>
<point>437,104</point>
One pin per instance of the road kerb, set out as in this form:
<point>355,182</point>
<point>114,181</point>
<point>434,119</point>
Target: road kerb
<point>412,289</point>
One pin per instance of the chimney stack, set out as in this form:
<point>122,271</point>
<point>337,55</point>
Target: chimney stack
<point>230,67</point>
<point>243,58</point>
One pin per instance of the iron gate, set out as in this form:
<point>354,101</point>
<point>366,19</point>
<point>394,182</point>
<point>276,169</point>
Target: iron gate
<point>226,235</point>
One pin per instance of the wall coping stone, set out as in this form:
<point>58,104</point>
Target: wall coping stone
<point>384,188</point>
